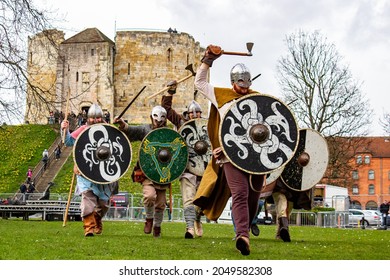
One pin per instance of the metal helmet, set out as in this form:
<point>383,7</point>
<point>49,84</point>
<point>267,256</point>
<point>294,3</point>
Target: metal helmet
<point>194,107</point>
<point>241,75</point>
<point>95,112</point>
<point>159,113</point>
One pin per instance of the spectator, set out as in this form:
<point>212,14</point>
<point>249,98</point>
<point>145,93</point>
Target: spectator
<point>29,174</point>
<point>384,209</point>
<point>107,117</point>
<point>23,188</point>
<point>58,152</point>
<point>45,158</point>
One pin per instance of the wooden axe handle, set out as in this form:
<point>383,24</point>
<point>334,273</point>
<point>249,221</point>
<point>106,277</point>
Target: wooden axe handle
<point>237,53</point>
<point>166,88</point>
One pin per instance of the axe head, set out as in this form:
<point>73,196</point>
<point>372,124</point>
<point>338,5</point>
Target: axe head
<point>249,46</point>
<point>190,68</point>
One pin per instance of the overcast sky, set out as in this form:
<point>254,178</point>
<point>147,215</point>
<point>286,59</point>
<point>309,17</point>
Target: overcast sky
<point>360,30</point>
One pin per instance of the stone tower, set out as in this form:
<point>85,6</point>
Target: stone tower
<point>152,59</point>
<point>85,72</point>
<point>42,58</point>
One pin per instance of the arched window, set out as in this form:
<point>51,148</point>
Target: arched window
<point>169,55</point>
<point>371,174</point>
<point>371,205</point>
<point>355,205</point>
<point>366,159</point>
<point>359,159</point>
<point>371,189</point>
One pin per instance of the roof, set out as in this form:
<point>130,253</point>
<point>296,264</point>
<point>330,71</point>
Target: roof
<point>89,35</point>
<point>377,147</point>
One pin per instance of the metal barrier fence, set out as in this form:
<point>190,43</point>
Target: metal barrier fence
<point>339,219</point>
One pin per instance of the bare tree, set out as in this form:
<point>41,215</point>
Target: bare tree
<point>18,20</point>
<point>323,96</point>
<point>385,122</point>
<point>320,90</point>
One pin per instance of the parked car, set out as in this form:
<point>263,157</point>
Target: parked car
<point>370,217</point>
<point>262,219</point>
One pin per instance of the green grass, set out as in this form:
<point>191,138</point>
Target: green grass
<point>21,147</point>
<point>42,240</point>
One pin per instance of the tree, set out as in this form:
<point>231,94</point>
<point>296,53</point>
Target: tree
<point>319,89</point>
<point>323,96</point>
<point>18,20</point>
<point>385,122</point>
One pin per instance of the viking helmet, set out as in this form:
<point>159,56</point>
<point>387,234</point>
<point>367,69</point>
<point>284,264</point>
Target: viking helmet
<point>159,113</point>
<point>95,112</point>
<point>194,107</point>
<point>241,75</point>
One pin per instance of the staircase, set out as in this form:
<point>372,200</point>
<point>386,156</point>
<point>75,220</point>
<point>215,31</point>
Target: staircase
<point>44,177</point>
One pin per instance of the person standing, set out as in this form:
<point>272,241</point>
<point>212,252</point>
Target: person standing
<point>189,182</point>
<point>384,209</point>
<point>154,195</point>
<point>94,197</point>
<point>45,158</point>
<point>57,152</point>
<point>220,173</point>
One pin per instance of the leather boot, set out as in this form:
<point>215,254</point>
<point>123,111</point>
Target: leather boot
<point>148,226</point>
<point>284,232</point>
<point>99,224</point>
<point>157,232</point>
<point>89,224</point>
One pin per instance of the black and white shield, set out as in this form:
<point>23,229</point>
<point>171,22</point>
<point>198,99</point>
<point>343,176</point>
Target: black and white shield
<point>258,134</point>
<point>195,134</point>
<point>102,153</point>
<point>309,163</point>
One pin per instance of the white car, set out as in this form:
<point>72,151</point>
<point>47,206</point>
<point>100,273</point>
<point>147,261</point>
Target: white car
<point>370,217</point>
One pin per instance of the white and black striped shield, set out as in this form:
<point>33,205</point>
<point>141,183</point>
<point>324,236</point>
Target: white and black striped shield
<point>309,163</point>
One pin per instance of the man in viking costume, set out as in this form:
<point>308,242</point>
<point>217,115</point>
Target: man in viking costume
<point>221,178</point>
<point>189,182</point>
<point>94,197</point>
<point>154,195</point>
<point>285,200</point>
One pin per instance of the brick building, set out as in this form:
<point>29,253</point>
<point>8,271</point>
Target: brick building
<point>371,173</point>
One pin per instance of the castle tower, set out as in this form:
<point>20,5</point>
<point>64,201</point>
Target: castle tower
<point>153,58</point>
<point>41,69</point>
<point>85,72</point>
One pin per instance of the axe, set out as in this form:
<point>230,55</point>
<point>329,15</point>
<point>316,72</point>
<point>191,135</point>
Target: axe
<point>249,46</point>
<point>189,68</point>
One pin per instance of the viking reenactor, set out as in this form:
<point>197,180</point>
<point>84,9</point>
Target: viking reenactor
<point>292,189</point>
<point>229,179</point>
<point>154,194</point>
<point>94,196</point>
<point>195,135</point>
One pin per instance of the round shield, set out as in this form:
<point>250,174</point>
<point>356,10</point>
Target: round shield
<point>198,143</point>
<point>163,155</point>
<point>258,134</point>
<point>102,153</point>
<point>309,163</point>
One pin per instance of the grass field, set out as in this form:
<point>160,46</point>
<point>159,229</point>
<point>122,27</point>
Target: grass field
<point>125,240</point>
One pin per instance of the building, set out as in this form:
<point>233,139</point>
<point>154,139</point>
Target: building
<point>91,68</point>
<point>371,173</point>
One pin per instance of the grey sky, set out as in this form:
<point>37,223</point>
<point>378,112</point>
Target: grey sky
<point>358,28</point>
